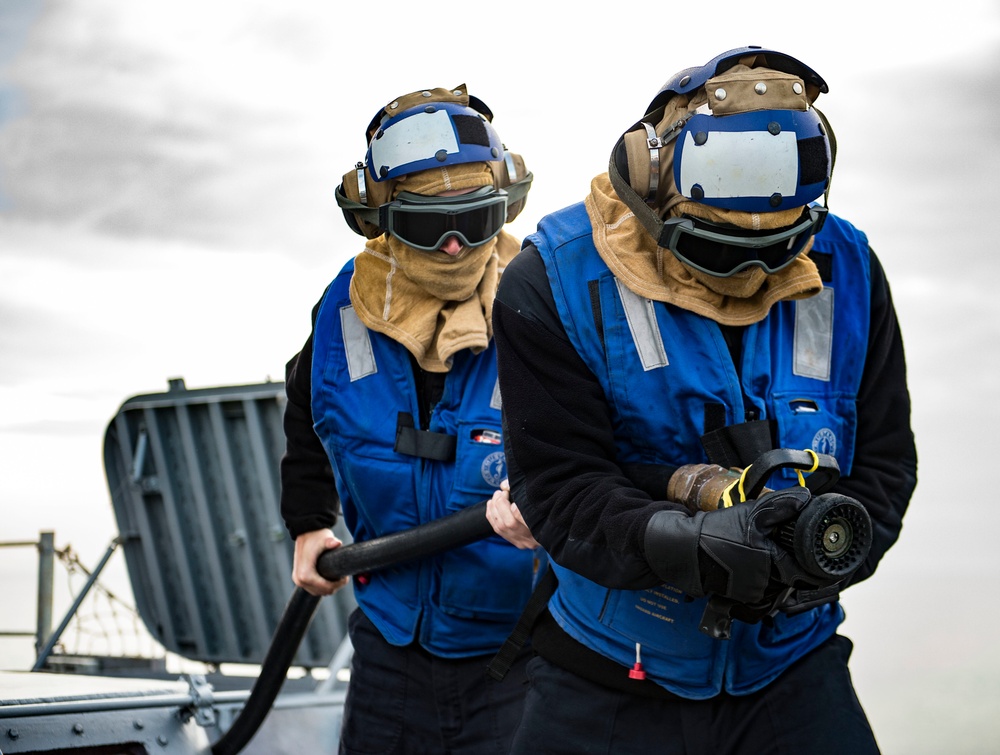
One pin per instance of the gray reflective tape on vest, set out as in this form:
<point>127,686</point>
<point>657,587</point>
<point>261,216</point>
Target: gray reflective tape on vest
<point>357,345</point>
<point>495,402</point>
<point>813,352</point>
<point>645,331</point>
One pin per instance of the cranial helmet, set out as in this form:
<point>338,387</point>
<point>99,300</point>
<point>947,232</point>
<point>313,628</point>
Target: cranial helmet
<point>420,131</point>
<point>728,160</point>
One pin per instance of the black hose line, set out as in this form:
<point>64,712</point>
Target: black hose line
<point>452,531</point>
<point>284,644</point>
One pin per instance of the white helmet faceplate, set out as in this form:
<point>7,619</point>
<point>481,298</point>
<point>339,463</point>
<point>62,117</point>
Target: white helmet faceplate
<point>431,136</point>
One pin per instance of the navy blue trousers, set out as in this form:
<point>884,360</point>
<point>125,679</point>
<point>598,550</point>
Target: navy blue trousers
<point>403,700</point>
<point>811,709</point>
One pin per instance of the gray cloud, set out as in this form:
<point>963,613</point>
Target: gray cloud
<point>107,141</point>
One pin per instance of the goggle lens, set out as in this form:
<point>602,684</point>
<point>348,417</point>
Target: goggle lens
<point>721,252</point>
<point>426,223</point>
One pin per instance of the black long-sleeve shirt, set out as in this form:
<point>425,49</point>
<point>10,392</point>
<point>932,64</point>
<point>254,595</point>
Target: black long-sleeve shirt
<point>577,501</point>
<point>309,498</point>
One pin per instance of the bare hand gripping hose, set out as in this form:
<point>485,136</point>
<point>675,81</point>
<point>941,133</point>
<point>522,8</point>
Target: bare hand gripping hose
<point>451,531</point>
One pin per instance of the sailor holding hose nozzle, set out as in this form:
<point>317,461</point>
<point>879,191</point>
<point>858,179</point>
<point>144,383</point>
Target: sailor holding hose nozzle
<point>702,305</point>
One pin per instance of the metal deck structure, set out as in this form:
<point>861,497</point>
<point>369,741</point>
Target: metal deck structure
<point>193,477</point>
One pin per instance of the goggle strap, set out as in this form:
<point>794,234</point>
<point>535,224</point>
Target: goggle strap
<point>519,189</point>
<point>368,214</point>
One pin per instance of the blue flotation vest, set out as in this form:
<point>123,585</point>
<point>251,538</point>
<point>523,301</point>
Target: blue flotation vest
<point>392,474</point>
<point>660,367</point>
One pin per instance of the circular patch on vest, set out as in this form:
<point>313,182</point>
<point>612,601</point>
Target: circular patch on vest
<point>825,442</point>
<point>494,469</point>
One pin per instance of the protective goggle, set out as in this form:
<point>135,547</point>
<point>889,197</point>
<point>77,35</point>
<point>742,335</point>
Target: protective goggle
<point>724,251</point>
<point>426,222</point>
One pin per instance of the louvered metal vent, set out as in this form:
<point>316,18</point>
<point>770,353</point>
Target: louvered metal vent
<point>194,482</point>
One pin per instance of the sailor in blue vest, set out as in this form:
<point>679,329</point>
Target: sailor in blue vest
<point>699,305</point>
<point>393,418</point>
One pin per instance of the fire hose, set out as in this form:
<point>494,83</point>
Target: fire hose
<point>451,531</point>
<point>830,538</point>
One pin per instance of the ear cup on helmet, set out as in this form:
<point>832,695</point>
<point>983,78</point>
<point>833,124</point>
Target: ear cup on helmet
<point>633,160</point>
<point>645,151</point>
<point>643,158</point>
<point>507,172</point>
<point>357,188</point>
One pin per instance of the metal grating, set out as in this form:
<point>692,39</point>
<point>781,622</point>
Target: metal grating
<point>194,483</point>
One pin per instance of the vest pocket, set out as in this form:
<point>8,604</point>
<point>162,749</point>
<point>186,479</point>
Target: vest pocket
<point>825,424</point>
<point>480,464</point>
<point>661,619</point>
<point>376,485</point>
<point>490,579</point>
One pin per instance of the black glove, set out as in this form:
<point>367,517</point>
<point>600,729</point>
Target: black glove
<point>800,601</point>
<point>727,552</point>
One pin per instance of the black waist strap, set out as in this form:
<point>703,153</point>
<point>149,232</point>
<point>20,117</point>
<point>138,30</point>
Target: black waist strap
<point>552,643</point>
<point>555,646</point>
<point>521,633</point>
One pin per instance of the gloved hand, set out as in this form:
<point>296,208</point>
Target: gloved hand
<point>799,601</point>
<point>786,600</point>
<point>727,552</point>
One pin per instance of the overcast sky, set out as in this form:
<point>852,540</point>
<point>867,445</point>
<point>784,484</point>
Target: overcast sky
<point>166,209</point>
